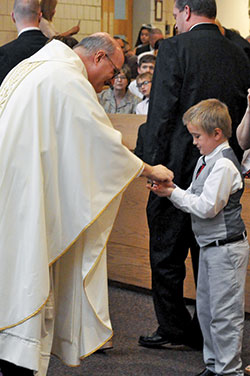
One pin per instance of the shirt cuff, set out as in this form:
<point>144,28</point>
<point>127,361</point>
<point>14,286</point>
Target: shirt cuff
<point>177,195</point>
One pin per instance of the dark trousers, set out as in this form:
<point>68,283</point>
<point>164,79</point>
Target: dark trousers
<point>171,237</point>
<point>9,369</point>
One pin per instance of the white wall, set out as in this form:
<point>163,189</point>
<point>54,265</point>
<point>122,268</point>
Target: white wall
<point>234,14</point>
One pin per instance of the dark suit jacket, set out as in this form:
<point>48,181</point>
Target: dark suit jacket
<point>237,39</point>
<point>19,49</point>
<point>190,67</point>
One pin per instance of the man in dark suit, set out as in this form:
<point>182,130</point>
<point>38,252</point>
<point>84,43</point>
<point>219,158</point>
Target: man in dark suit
<point>26,16</point>
<point>196,64</point>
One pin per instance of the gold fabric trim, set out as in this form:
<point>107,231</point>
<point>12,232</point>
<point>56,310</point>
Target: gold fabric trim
<point>15,76</point>
<point>65,250</point>
<point>98,215</point>
<point>26,318</point>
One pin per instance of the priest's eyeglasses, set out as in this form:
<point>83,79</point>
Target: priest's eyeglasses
<point>116,70</point>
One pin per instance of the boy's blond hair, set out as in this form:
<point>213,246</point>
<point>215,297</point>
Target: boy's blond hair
<point>208,115</point>
<point>144,75</point>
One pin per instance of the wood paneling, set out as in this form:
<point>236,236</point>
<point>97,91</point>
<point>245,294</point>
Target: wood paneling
<point>128,246</point>
<point>114,26</point>
<point>128,126</point>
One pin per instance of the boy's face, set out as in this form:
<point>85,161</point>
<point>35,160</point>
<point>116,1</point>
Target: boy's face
<point>144,86</point>
<point>146,67</point>
<point>205,142</point>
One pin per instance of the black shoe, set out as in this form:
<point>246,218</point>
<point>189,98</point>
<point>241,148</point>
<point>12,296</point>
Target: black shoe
<point>206,372</point>
<point>157,341</point>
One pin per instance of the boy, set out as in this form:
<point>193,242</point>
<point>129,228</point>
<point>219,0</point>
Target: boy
<point>144,83</point>
<point>213,199</point>
<point>146,64</point>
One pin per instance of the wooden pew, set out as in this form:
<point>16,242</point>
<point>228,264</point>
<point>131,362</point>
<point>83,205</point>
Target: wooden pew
<point>128,246</point>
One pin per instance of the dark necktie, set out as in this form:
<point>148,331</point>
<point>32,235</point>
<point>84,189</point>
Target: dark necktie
<point>201,167</point>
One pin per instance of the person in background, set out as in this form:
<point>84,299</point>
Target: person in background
<point>200,52</point>
<point>154,35</point>
<point>243,135</point>
<point>130,58</point>
<point>48,8</point>
<point>144,83</point>
<point>213,200</point>
<point>70,41</point>
<point>26,15</point>
<point>235,37</point>
<point>142,42</point>
<point>146,64</point>
<point>59,148</point>
<point>118,99</point>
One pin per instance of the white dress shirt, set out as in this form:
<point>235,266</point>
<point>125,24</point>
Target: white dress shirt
<point>223,180</point>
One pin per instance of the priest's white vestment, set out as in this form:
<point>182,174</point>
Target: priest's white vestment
<point>62,171</point>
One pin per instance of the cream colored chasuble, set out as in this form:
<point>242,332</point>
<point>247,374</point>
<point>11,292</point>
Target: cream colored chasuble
<point>62,169</point>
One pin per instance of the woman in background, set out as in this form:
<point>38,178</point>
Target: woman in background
<point>142,39</point>
<point>118,99</point>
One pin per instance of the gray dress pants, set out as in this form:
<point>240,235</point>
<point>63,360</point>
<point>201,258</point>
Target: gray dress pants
<point>220,305</point>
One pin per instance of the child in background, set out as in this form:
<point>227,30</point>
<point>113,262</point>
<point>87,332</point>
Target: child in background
<point>146,64</point>
<point>213,199</point>
<point>144,83</point>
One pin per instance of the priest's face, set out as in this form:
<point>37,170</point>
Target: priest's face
<point>108,69</point>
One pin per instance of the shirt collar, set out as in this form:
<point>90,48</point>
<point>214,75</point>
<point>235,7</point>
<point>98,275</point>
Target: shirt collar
<point>201,23</point>
<point>220,147</point>
<point>28,29</point>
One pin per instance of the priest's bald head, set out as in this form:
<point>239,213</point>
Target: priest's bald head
<point>102,57</point>
<point>26,13</point>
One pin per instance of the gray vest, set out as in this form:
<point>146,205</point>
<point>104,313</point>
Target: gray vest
<point>228,222</point>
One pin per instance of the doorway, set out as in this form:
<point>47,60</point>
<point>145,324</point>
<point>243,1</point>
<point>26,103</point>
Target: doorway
<point>117,18</point>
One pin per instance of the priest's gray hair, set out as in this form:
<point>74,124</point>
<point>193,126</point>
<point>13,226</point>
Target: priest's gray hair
<point>96,42</point>
<point>28,10</point>
<point>205,8</point>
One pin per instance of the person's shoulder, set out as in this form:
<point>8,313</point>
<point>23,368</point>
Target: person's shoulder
<point>132,84</point>
<point>32,35</point>
<point>105,94</point>
<point>9,45</point>
<point>174,41</point>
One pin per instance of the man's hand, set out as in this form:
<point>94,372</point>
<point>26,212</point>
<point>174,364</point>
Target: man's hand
<point>157,173</point>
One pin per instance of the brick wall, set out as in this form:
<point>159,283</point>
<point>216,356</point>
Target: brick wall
<point>68,13</point>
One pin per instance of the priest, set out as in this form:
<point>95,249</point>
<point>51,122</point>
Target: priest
<point>63,169</point>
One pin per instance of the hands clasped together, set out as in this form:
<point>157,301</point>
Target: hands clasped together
<point>160,180</point>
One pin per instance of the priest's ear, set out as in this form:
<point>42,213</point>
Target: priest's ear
<point>99,55</point>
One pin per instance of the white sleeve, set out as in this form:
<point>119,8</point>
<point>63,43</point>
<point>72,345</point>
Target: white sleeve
<point>223,180</point>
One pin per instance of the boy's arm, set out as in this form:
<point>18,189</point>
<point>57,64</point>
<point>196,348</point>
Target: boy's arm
<point>223,180</point>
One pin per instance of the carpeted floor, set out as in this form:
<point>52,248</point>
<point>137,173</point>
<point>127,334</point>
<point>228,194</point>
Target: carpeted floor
<point>132,314</point>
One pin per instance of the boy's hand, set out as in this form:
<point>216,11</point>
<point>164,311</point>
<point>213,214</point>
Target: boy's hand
<point>161,189</point>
